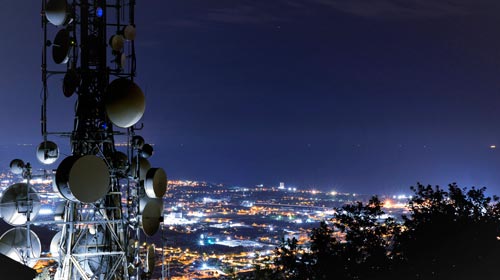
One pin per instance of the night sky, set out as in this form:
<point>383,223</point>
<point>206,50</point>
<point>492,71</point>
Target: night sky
<point>356,96</point>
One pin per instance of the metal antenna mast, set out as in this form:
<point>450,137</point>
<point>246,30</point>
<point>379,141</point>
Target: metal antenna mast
<point>111,197</point>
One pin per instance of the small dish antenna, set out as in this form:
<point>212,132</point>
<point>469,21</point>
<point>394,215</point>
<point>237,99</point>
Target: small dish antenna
<point>146,151</point>
<point>151,210</point>
<point>120,161</point>
<point>47,152</point>
<point>117,42</point>
<point>14,244</point>
<point>129,32</point>
<point>71,82</point>
<point>17,200</point>
<point>61,48</point>
<point>17,166</point>
<point>150,258</point>
<point>137,142</point>
<point>56,12</point>
<point>54,244</point>
<point>155,184</point>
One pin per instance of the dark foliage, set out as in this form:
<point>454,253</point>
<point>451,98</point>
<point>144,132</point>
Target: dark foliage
<point>291,262</point>
<point>448,235</point>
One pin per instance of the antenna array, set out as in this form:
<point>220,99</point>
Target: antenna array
<point>111,198</point>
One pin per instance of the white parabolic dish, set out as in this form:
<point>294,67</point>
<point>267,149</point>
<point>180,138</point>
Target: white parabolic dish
<point>125,103</point>
<point>15,202</point>
<point>155,184</point>
<point>55,11</point>
<point>84,179</point>
<point>14,244</point>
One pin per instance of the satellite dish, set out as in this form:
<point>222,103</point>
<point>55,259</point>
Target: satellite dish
<point>56,12</point>
<point>129,32</point>
<point>125,103</point>
<point>151,210</point>
<point>151,258</point>
<point>144,166</point>
<point>137,142</point>
<point>15,203</point>
<point>47,152</point>
<point>71,82</point>
<point>146,151</point>
<point>83,179</point>
<point>61,47</point>
<point>16,166</point>
<point>120,162</point>
<point>120,60</point>
<point>155,184</point>
<point>14,244</point>
<point>117,42</point>
<point>54,244</point>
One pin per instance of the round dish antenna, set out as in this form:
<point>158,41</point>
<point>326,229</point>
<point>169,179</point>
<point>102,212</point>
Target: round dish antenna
<point>120,162</point>
<point>56,12</point>
<point>16,166</point>
<point>71,82</point>
<point>54,244</point>
<point>129,32</point>
<point>151,210</point>
<point>14,244</point>
<point>151,258</point>
<point>47,152</point>
<point>155,184</point>
<point>146,151</point>
<point>17,200</point>
<point>61,48</point>
<point>121,60</point>
<point>117,42</point>
<point>83,179</point>
<point>125,103</point>
<point>137,142</point>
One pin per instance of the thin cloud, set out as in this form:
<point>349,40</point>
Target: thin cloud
<point>234,12</point>
<point>247,12</point>
<point>409,8</point>
<point>241,14</point>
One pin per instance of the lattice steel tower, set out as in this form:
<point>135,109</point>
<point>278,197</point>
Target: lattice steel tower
<point>111,197</point>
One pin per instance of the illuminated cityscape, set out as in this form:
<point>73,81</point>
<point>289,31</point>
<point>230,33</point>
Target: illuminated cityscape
<point>210,230</point>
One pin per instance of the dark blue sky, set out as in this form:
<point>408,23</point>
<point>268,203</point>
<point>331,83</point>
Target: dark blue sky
<point>359,96</point>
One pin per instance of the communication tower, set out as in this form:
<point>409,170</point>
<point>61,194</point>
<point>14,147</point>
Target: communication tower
<point>110,198</point>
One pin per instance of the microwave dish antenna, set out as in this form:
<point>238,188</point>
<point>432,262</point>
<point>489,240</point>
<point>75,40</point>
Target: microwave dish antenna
<point>20,246</point>
<point>19,203</point>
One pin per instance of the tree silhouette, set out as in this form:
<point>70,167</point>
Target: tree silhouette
<point>362,254</point>
<point>291,262</point>
<point>365,252</point>
<point>451,234</point>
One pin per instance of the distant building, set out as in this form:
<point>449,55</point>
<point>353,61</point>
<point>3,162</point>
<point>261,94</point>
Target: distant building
<point>282,186</point>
